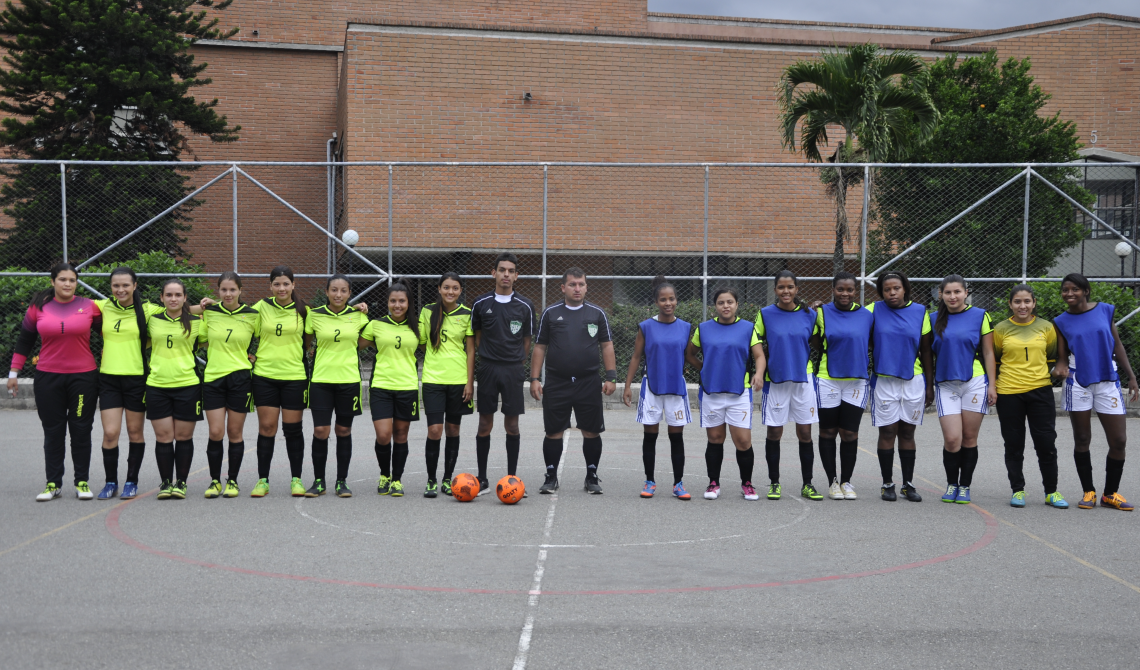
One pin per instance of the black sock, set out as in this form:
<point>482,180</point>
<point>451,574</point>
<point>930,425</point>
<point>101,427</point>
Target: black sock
<point>848,451</point>
<point>807,461</point>
<point>431,457</point>
<point>714,456</point>
<point>592,451</point>
<point>745,460</point>
<point>649,454</point>
<point>214,455</point>
<point>482,452</point>
<point>399,460</point>
<point>183,458</point>
<point>344,456</point>
<point>551,454</point>
<point>1084,469</point>
<point>135,452</point>
<point>1113,469</point>
<point>320,451</point>
<point>906,463</point>
<point>969,462</point>
<point>677,452</point>
<point>450,455</point>
<point>265,444</point>
<point>237,453</point>
<point>772,455</point>
<point>164,457</point>
<point>952,462</point>
<point>294,447</point>
<point>827,457</point>
<point>513,453</point>
<point>111,464</point>
<point>887,465</point>
<point>384,458</point>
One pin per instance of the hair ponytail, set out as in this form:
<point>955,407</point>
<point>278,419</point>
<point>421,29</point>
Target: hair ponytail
<point>435,322</point>
<point>184,318</point>
<point>943,313</point>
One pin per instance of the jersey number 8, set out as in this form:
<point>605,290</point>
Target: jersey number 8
<point>278,330</point>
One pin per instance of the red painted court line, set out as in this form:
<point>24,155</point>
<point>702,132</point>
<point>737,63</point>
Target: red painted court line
<point>117,531</point>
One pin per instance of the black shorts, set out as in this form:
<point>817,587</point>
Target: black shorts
<point>233,392</point>
<point>126,391</point>
<point>184,403</point>
<point>583,396</point>
<point>446,400</point>
<point>398,405</point>
<point>845,417</point>
<point>343,398</point>
<point>500,379</point>
<point>283,393</point>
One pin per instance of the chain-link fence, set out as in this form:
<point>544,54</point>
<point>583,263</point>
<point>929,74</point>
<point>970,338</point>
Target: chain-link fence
<point>699,225</point>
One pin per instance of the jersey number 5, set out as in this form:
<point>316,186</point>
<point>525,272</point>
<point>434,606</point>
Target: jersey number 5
<point>443,335</point>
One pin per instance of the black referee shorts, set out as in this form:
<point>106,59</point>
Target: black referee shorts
<point>503,380</point>
<point>325,398</point>
<point>446,401</point>
<point>125,391</point>
<point>233,392</point>
<point>184,403</point>
<point>283,393</point>
<point>582,395</point>
<point>398,405</point>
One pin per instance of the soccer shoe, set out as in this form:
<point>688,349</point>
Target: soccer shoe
<point>317,489</point>
<point>130,490</point>
<point>432,489</point>
<point>963,495</point>
<point>109,491</point>
<point>679,491</point>
<point>342,490</point>
<point>1116,501</point>
<point>1088,501</point>
<point>888,493</point>
<point>774,492</point>
<point>951,494</point>
<point>910,493</point>
<point>296,488</point>
<point>384,485</point>
<point>749,491</point>
<point>232,490</point>
<point>713,491</point>
<point>214,489</point>
<point>849,491</point>
<point>593,483</point>
<point>1055,499</point>
<point>835,492</point>
<point>550,485</point>
<point>164,490</point>
<point>1018,499</point>
<point>396,490</point>
<point>445,487</point>
<point>260,489</point>
<point>178,491</point>
<point>484,486</point>
<point>51,492</point>
<point>809,492</point>
<point>83,491</point>
<point>649,489</point>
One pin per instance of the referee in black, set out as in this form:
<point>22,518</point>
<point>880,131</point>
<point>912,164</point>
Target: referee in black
<point>503,324</point>
<point>570,335</point>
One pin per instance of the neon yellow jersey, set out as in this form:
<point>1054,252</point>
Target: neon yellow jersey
<point>122,351</point>
<point>337,335</point>
<point>1024,351</point>
<point>172,363</point>
<point>228,335</point>
<point>448,364</point>
<point>926,330</point>
<point>280,349</point>
<point>396,346</point>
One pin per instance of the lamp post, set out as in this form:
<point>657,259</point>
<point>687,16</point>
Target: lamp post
<point>1124,250</point>
<point>350,237</point>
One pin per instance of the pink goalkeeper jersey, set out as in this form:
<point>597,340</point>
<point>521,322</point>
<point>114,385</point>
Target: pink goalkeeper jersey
<point>65,333</point>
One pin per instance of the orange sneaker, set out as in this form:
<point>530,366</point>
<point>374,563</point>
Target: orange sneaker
<point>1116,501</point>
<point>1088,501</point>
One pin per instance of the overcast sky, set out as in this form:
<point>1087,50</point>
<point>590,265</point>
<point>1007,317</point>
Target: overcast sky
<point>978,14</point>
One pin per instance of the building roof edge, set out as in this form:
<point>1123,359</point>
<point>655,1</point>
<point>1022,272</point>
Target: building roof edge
<point>1043,26</point>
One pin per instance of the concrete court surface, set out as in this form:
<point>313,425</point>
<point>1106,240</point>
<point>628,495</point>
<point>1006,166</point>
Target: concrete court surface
<point>571,580</point>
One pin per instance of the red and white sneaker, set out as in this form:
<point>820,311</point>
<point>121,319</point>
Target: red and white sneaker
<point>713,491</point>
<point>749,491</point>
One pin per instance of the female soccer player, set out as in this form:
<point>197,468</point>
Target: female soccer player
<point>394,393</point>
<point>843,334</point>
<point>664,395</point>
<point>122,378</point>
<point>901,342</point>
<point>965,385</point>
<point>66,384</point>
<point>725,395</point>
<point>1087,332</point>
<point>335,384</point>
<point>173,390</point>
<point>785,329</point>
<point>448,377</point>
<point>1024,345</point>
<point>227,329</point>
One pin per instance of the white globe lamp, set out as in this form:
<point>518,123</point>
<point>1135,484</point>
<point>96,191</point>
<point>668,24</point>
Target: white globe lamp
<point>351,237</point>
<point>1123,249</point>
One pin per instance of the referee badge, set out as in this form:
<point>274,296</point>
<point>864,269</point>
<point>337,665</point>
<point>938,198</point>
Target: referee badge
<point>592,329</point>
<point>516,326</point>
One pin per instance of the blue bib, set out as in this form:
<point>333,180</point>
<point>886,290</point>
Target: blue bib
<point>1090,339</point>
<point>958,346</point>
<point>665,355</point>
<point>787,334</point>
<point>897,336</point>
<point>726,350</point>
<point>846,339</point>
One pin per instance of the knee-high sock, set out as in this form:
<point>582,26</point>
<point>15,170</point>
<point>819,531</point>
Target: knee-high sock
<point>214,455</point>
<point>294,447</point>
<point>482,452</point>
<point>450,455</point>
<point>714,456</point>
<point>969,462</point>
<point>551,453</point>
<point>952,462</point>
<point>513,453</point>
<point>745,460</point>
<point>431,457</point>
<point>906,463</point>
<point>111,463</point>
<point>807,460</point>
<point>384,458</point>
<point>135,452</point>
<point>399,459</point>
<point>183,458</point>
<point>265,444</point>
<point>1113,470</point>
<point>320,450</point>
<point>592,451</point>
<point>344,456</point>
<point>237,453</point>
<point>887,465</point>
<point>164,457</point>
<point>649,454</point>
<point>1084,469</point>
<point>827,457</point>
<point>848,451</point>
<point>677,452</point>
<point>772,455</point>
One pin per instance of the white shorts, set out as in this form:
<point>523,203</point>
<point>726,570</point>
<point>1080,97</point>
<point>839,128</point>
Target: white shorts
<point>957,396</point>
<point>831,392</point>
<point>789,400</point>
<point>897,400</point>
<point>1105,397</point>
<point>652,408</point>
<point>718,409</point>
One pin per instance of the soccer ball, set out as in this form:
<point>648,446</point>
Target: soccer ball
<point>464,487</point>
<point>510,489</point>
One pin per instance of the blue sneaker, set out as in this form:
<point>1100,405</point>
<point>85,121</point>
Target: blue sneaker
<point>680,492</point>
<point>650,487</point>
<point>963,495</point>
<point>130,490</point>
<point>1018,499</point>
<point>1055,499</point>
<point>951,493</point>
<point>109,491</point>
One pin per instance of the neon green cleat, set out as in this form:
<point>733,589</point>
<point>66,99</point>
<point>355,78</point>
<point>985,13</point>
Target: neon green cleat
<point>432,489</point>
<point>809,492</point>
<point>342,490</point>
<point>178,491</point>
<point>262,488</point>
<point>231,489</point>
<point>317,489</point>
<point>445,487</point>
<point>214,489</point>
<point>164,490</point>
<point>396,490</point>
<point>296,488</point>
<point>83,491</point>
<point>774,492</point>
<point>383,485</point>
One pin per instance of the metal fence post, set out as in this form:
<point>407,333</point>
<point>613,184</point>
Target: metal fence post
<point>389,225</point>
<point>705,254</point>
<point>1135,221</point>
<point>544,194</point>
<point>235,219</point>
<point>1025,232</point>
<point>63,204</point>
<point>863,234</point>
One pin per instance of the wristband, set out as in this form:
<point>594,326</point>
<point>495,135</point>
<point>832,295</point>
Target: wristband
<point>11,374</point>
<point>611,376</point>
<point>535,379</point>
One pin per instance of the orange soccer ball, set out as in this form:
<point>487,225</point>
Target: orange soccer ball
<point>510,489</point>
<point>464,487</point>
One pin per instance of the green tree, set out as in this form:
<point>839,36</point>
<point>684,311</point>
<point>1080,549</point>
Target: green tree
<point>990,113</point>
<point>878,99</point>
<point>101,80</point>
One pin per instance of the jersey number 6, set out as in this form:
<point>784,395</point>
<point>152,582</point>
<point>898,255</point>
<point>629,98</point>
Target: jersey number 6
<point>169,341</point>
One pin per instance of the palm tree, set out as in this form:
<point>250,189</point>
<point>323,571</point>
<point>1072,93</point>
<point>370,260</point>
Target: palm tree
<point>880,101</point>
